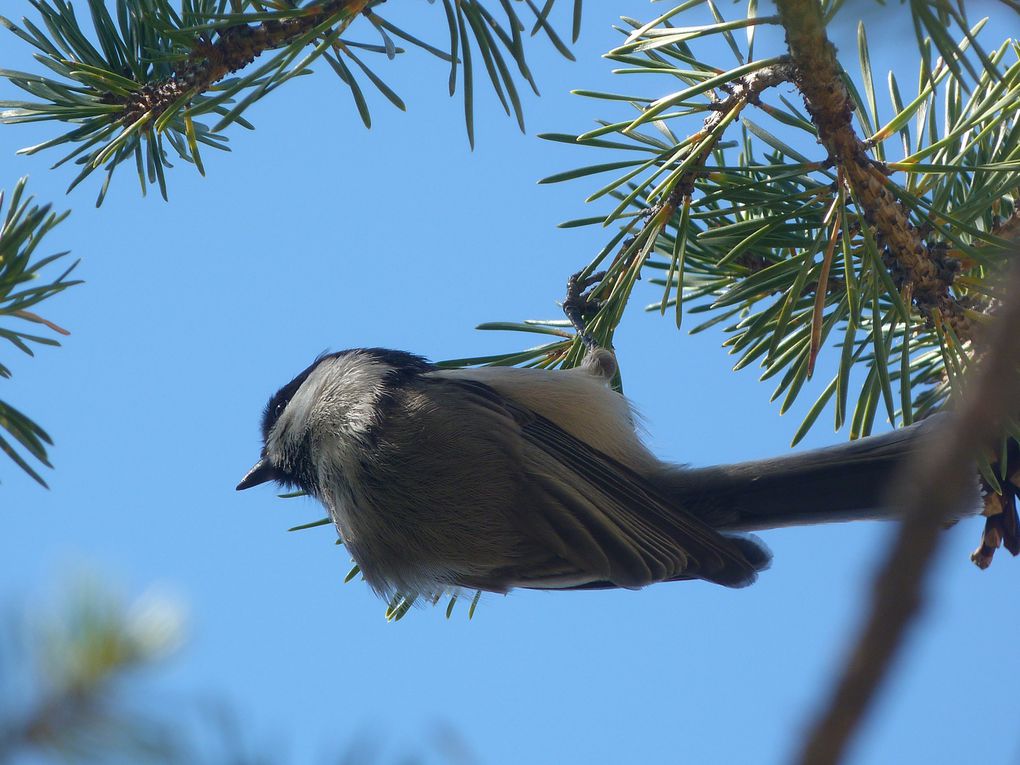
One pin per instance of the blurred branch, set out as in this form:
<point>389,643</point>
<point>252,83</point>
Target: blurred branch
<point>930,490</point>
<point>72,666</point>
<point>76,687</point>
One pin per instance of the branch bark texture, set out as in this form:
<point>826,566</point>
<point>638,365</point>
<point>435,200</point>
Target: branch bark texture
<point>925,273</point>
<point>234,48</point>
<point>744,91</point>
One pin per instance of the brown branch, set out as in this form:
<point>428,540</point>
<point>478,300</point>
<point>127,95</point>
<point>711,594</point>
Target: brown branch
<point>743,91</point>
<point>931,489</point>
<point>235,47</point>
<point>926,273</point>
<point>1009,228</point>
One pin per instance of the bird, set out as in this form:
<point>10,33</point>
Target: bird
<point>494,478</point>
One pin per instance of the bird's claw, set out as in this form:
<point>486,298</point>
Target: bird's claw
<point>1002,526</point>
<point>579,304</point>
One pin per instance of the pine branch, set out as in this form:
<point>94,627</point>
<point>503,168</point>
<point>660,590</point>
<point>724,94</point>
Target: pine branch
<point>621,275</point>
<point>793,250</point>
<point>22,288</point>
<point>157,73</point>
<point>235,47</point>
<point>923,271</point>
<point>746,90</point>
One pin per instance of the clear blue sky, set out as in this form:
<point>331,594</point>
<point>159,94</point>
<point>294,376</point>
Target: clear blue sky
<point>314,234</point>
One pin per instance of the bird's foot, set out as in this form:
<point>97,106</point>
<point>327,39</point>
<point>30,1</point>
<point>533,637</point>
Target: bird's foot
<point>1002,526</point>
<point>579,305</point>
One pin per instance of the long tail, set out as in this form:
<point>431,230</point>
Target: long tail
<point>838,483</point>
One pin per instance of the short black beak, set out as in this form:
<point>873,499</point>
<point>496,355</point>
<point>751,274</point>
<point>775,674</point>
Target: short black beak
<point>262,472</point>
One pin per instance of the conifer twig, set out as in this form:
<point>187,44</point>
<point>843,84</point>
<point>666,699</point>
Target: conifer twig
<point>235,47</point>
<point>926,272</point>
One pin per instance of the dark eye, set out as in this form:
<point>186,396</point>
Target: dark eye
<point>280,407</point>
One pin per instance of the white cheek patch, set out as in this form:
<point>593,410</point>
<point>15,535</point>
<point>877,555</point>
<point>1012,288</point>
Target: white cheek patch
<point>292,424</point>
<point>347,392</point>
<point>336,403</point>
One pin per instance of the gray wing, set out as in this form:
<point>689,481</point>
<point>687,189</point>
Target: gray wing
<point>601,523</point>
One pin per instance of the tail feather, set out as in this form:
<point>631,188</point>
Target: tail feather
<point>840,483</point>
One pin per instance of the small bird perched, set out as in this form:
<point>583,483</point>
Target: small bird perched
<point>502,477</point>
